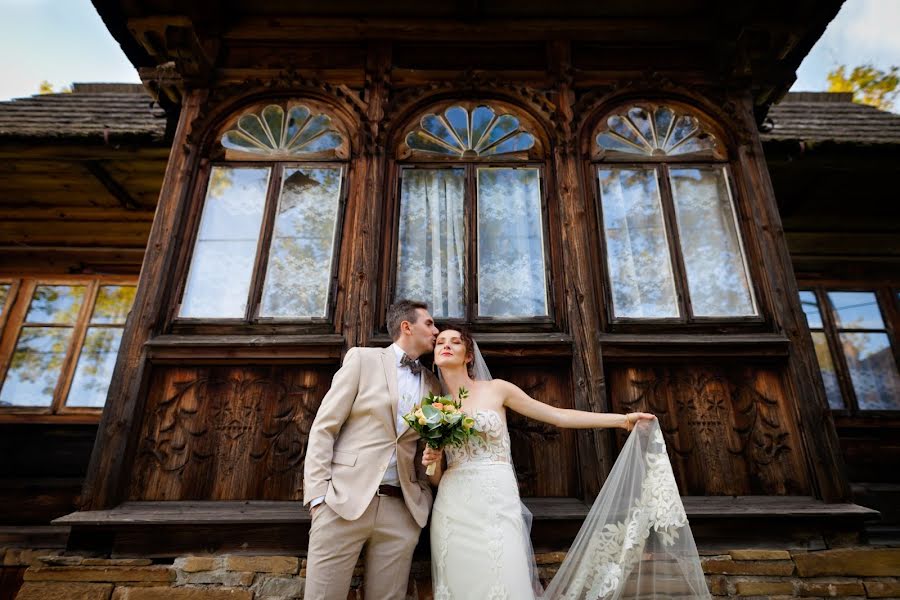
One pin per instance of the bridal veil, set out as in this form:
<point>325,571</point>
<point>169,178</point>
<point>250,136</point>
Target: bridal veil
<point>635,541</point>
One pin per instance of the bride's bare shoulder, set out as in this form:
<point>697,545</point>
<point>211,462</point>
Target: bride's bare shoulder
<point>501,387</point>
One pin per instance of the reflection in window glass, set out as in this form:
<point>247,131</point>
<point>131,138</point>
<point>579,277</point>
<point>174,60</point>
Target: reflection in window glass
<point>873,370</point>
<point>97,358</point>
<point>39,353</point>
<point>829,376</point>
<point>218,282</point>
<point>95,367</point>
<point>53,304</point>
<point>35,367</point>
<point>4,294</point>
<point>637,252</point>
<point>811,309</point>
<point>511,272</point>
<point>856,310</point>
<point>113,303</point>
<point>717,278</point>
<point>299,270</point>
<point>431,257</point>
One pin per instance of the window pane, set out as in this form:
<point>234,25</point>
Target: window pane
<point>218,282</point>
<point>299,271</point>
<point>35,366</point>
<point>4,294</point>
<point>431,257</point>
<point>872,370</point>
<point>811,308</point>
<point>856,310</point>
<point>95,367</point>
<point>511,273</point>
<point>637,250</point>
<point>55,304</point>
<point>713,258</point>
<point>113,303</point>
<point>829,376</point>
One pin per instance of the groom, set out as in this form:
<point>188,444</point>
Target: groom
<point>360,479</point>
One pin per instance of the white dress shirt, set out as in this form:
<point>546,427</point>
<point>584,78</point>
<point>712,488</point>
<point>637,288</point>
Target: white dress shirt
<point>409,388</point>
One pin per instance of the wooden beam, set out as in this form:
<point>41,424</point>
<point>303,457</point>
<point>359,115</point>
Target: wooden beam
<point>112,186</point>
<point>76,152</point>
<point>684,29</point>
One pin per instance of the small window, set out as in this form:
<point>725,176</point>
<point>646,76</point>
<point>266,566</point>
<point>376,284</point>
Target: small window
<point>267,239</point>
<point>471,236</point>
<point>854,348</point>
<point>63,348</point>
<point>672,243</point>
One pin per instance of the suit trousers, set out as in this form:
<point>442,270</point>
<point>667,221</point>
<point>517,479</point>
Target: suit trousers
<point>388,532</point>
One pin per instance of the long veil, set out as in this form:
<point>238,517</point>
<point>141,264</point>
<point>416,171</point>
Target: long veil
<point>635,540</point>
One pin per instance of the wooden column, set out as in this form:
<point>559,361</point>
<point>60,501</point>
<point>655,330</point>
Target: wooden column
<point>582,302</point>
<point>824,461</point>
<point>117,436</point>
<point>362,245</point>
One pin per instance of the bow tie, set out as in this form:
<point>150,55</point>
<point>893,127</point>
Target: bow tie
<point>413,365</point>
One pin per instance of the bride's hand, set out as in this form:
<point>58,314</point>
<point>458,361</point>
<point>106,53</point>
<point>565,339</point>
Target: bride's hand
<point>632,419</point>
<point>430,455</point>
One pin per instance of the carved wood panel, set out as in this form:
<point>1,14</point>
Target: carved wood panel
<point>544,455</point>
<point>227,433</point>
<point>728,430</point>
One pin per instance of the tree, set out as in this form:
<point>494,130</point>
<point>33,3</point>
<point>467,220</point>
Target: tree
<point>47,88</point>
<point>867,84</point>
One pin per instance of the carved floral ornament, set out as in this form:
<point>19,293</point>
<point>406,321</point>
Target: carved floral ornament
<point>469,133</point>
<point>297,131</point>
<point>655,132</point>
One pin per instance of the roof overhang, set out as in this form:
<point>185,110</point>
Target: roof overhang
<point>754,45</point>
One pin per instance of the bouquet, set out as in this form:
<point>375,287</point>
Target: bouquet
<point>440,421</point>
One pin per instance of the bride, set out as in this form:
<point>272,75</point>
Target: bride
<point>634,542</point>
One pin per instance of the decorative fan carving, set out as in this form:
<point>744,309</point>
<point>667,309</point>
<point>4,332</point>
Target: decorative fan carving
<point>272,132</point>
<point>461,133</point>
<point>659,132</point>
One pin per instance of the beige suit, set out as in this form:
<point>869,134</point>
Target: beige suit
<point>350,445</point>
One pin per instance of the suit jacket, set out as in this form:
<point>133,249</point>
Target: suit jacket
<point>354,434</point>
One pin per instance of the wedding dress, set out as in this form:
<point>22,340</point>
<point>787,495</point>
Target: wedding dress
<point>635,541</point>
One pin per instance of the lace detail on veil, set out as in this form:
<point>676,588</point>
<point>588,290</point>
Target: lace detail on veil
<point>614,551</point>
<point>636,541</point>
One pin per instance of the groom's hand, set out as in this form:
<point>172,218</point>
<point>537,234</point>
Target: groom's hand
<point>430,455</point>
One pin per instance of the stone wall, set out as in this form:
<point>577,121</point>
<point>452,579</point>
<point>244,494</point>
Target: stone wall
<point>856,573</point>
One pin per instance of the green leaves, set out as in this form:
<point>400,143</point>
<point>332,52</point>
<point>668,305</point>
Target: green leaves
<point>440,421</point>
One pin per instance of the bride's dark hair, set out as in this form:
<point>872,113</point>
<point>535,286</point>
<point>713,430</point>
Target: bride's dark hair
<point>469,341</point>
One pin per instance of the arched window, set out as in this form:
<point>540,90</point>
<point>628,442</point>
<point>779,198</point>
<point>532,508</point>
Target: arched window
<point>266,242</point>
<point>672,243</point>
<point>471,235</point>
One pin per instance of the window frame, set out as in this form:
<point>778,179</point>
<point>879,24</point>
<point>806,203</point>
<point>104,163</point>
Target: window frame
<point>686,321</point>
<point>470,167</point>
<point>251,321</point>
<point>13,320</point>
<point>889,308</point>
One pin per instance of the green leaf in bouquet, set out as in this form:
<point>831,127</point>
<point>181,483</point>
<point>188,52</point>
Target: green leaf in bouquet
<point>432,415</point>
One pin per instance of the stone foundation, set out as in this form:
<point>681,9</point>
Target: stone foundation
<point>864,572</point>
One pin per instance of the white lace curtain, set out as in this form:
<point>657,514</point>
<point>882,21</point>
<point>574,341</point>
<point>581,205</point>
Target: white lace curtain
<point>431,254</point>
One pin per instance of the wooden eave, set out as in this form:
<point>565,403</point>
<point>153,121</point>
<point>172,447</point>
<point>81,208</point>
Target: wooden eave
<point>757,46</point>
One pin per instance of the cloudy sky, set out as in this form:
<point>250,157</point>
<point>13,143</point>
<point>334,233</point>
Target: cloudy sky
<point>62,41</point>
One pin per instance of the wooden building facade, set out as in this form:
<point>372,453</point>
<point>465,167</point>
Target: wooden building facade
<point>586,187</point>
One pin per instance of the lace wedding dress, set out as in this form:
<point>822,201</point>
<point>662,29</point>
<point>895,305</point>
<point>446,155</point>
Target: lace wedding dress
<point>635,541</point>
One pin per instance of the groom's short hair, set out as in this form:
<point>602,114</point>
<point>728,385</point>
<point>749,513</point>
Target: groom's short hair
<point>399,311</point>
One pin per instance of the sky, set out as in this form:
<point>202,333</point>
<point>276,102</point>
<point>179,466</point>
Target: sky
<point>63,41</point>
